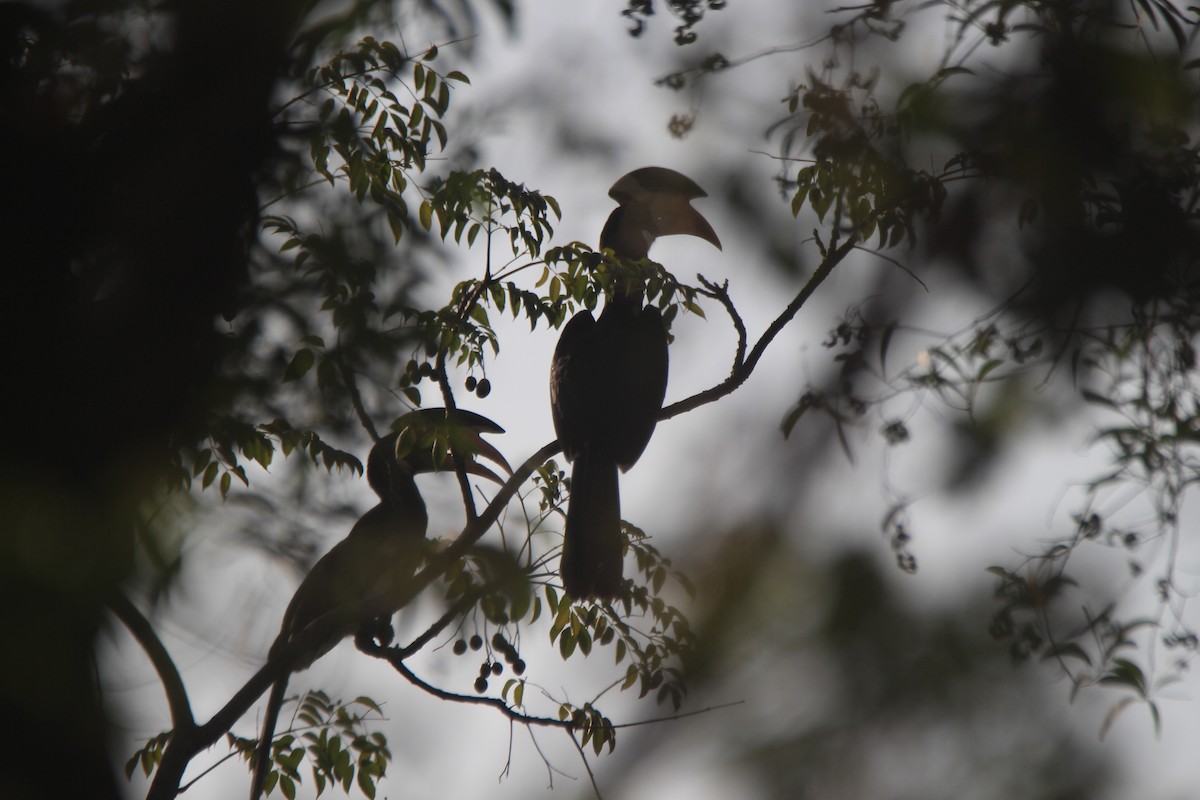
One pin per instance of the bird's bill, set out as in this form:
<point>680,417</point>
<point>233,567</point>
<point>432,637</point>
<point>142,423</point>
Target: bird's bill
<point>679,218</point>
<point>427,438</point>
<point>475,468</point>
<point>658,202</point>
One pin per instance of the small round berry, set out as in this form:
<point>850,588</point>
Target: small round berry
<point>476,642</point>
<point>519,667</point>
<point>460,647</point>
<point>497,668</point>
<point>483,388</point>
<point>471,383</point>
<point>481,685</point>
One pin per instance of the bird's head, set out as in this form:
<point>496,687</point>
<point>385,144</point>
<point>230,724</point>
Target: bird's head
<point>426,440</point>
<point>653,202</point>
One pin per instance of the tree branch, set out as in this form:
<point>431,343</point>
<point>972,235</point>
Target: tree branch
<point>137,624</point>
<point>356,398</point>
<point>721,295</point>
<point>742,369</point>
<point>395,657</point>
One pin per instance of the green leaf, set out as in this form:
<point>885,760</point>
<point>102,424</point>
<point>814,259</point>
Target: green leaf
<point>566,644</point>
<point>1126,673</point>
<point>987,368</point>
<point>1098,399</point>
<point>426,215</point>
<point>1067,650</point>
<point>1112,714</point>
<point>885,343</point>
<point>301,363</point>
<point>210,475</point>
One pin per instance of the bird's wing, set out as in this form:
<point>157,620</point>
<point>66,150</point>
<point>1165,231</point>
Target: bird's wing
<point>573,383</point>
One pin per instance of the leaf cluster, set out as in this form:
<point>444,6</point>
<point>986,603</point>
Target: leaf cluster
<point>332,736</point>
<point>857,171</point>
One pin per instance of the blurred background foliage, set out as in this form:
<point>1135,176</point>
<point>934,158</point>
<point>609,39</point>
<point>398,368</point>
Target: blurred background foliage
<point>1043,164</point>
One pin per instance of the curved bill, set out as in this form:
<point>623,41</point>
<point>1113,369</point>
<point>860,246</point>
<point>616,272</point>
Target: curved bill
<point>426,438</point>
<point>658,201</point>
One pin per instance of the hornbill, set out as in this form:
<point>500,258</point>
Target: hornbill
<point>355,584</point>
<point>609,377</point>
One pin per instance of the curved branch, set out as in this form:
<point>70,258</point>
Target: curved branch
<point>137,624</point>
<point>742,368</point>
<point>187,742</point>
<point>721,295</point>
<point>457,610</point>
<point>395,657</point>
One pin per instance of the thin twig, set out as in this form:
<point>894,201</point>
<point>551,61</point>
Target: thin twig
<point>459,608</point>
<point>586,765</point>
<point>677,717</point>
<point>721,295</point>
<point>742,369</point>
<point>393,656</point>
<point>356,400</point>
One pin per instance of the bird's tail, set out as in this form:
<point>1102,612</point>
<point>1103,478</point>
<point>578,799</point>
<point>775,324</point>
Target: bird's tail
<point>262,756</point>
<point>592,560</point>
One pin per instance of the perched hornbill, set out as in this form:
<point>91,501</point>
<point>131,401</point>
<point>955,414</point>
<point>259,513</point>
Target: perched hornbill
<point>355,583</point>
<point>609,377</point>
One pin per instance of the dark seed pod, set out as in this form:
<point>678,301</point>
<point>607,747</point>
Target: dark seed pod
<point>519,667</point>
<point>476,642</point>
<point>471,383</point>
<point>460,647</point>
<point>483,388</point>
<point>481,685</point>
<point>497,668</point>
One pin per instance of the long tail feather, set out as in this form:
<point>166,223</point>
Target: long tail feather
<point>591,560</point>
<point>262,756</point>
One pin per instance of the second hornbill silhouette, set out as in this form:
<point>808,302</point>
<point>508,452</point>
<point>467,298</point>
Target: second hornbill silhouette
<point>355,584</point>
<point>609,377</point>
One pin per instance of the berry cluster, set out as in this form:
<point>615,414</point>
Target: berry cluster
<point>491,665</point>
<point>481,387</point>
<point>416,371</point>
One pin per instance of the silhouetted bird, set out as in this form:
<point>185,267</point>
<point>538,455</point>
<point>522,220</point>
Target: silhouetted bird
<point>609,377</point>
